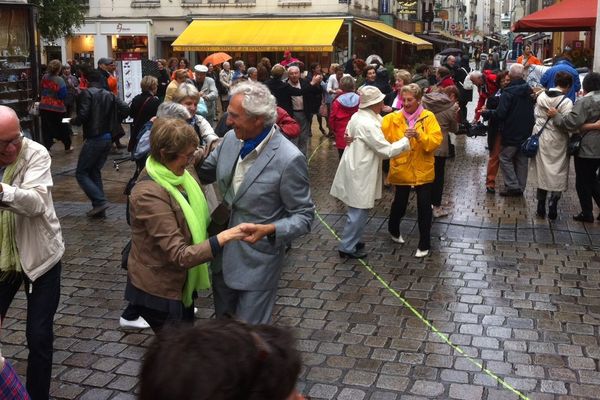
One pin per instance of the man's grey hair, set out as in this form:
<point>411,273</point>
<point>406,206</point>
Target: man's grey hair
<point>475,74</point>
<point>226,63</point>
<point>293,67</point>
<point>516,71</point>
<point>238,64</point>
<point>258,100</point>
<point>251,70</point>
<point>170,109</point>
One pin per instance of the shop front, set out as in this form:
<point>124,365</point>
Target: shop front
<point>121,40</point>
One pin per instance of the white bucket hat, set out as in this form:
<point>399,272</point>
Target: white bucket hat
<point>369,95</point>
<point>201,68</point>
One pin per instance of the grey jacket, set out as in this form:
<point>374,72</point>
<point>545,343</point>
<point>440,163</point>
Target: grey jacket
<point>274,191</point>
<point>586,109</point>
<point>209,89</point>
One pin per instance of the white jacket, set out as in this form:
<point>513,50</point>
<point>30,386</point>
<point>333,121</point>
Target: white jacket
<point>357,181</point>
<point>38,234</point>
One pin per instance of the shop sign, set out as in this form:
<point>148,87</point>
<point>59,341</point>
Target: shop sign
<point>124,28</point>
<point>407,7</point>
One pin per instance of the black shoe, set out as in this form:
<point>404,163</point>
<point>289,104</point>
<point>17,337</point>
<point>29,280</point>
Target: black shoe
<point>581,217</point>
<point>511,193</point>
<point>357,254</point>
<point>541,209</point>
<point>490,190</point>
<point>97,210</point>
<point>360,246</point>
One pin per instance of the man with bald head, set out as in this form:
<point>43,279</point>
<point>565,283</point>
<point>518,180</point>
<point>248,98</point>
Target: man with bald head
<point>31,244</point>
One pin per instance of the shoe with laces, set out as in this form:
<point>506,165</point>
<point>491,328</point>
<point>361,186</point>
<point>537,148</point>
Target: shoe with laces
<point>139,323</point>
<point>397,239</point>
<point>421,253</point>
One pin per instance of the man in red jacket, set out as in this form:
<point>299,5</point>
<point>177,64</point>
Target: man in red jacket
<point>486,85</point>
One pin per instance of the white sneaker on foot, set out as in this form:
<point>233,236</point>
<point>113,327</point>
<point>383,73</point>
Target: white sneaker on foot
<point>139,323</point>
<point>397,239</point>
<point>421,253</point>
<point>439,212</point>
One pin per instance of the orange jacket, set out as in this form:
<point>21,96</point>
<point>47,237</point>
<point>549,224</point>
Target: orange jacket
<point>532,60</point>
<point>113,84</point>
<point>414,167</point>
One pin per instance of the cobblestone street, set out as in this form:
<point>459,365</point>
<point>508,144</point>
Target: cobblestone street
<point>516,294</point>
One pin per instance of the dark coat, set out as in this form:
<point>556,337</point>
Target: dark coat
<point>163,81</point>
<point>96,111</point>
<point>515,109</point>
<point>143,107</point>
<point>283,93</point>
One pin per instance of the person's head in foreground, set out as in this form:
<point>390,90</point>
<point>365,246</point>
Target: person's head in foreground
<point>221,360</point>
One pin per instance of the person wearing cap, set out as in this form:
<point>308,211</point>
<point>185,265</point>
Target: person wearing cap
<point>104,66</point>
<point>357,181</point>
<point>413,169</point>
<point>208,91</point>
<point>288,59</point>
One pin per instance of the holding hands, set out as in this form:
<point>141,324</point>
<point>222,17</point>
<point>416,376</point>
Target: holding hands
<point>551,112</point>
<point>250,233</point>
<point>411,133</point>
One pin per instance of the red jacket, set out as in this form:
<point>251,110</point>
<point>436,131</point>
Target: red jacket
<point>288,125</point>
<point>342,108</point>
<point>488,89</point>
<point>447,81</point>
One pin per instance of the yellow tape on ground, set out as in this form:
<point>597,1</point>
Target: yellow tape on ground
<point>405,302</point>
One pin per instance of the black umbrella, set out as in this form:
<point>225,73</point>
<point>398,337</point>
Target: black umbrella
<point>451,51</point>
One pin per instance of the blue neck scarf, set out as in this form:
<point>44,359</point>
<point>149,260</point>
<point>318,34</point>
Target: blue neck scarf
<point>251,144</point>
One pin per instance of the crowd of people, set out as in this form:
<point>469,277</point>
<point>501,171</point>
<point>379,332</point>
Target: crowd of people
<point>216,202</point>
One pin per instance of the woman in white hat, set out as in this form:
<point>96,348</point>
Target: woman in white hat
<point>357,181</point>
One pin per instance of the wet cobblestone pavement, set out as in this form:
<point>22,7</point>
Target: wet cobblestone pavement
<point>516,294</point>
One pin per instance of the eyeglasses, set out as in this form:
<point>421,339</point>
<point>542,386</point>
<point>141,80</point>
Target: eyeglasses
<point>15,142</point>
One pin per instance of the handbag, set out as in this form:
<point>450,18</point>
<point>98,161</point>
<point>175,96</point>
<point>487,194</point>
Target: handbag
<point>574,144</point>
<point>531,145</point>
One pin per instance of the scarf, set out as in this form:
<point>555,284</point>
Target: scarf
<point>10,263</point>
<point>411,119</point>
<point>196,216</point>
<point>251,144</point>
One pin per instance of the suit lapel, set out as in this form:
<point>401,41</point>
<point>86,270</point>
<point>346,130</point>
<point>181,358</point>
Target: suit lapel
<point>230,162</point>
<point>261,162</point>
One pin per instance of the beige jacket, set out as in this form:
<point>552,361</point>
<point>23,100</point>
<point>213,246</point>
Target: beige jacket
<point>38,234</point>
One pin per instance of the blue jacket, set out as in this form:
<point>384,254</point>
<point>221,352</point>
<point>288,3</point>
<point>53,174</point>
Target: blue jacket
<point>547,80</point>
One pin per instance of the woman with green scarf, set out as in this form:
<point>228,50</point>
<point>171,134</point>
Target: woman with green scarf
<point>170,246</point>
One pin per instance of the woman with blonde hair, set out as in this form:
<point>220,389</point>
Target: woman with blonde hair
<point>143,107</point>
<point>181,76</point>
<point>413,169</point>
<point>170,247</point>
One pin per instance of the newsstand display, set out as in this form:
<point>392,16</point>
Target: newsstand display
<point>19,63</point>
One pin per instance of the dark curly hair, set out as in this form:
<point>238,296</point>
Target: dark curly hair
<point>220,360</point>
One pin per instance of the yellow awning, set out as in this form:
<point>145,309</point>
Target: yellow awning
<point>388,31</point>
<point>259,35</point>
<point>456,38</point>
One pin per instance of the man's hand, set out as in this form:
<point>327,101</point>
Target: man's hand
<point>551,112</point>
<point>387,109</point>
<point>411,133</point>
<point>316,80</point>
<point>238,232</point>
<point>348,139</point>
<point>255,232</point>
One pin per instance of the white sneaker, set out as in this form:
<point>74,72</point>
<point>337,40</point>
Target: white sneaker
<point>439,212</point>
<point>421,253</point>
<point>139,323</point>
<point>195,310</point>
<point>397,239</point>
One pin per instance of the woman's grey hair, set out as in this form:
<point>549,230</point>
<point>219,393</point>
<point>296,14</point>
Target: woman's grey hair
<point>251,70</point>
<point>258,100</point>
<point>170,109</point>
<point>347,83</point>
<point>184,91</point>
<point>238,64</point>
<point>226,64</point>
<point>516,71</point>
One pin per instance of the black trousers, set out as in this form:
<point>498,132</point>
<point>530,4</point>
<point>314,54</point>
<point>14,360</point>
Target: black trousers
<point>437,187</point>
<point>423,211</point>
<point>42,301</point>
<point>53,128</point>
<point>587,184</point>
<point>159,319</point>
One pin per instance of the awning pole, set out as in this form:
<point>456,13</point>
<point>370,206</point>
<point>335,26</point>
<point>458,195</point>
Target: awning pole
<point>597,42</point>
<point>350,50</point>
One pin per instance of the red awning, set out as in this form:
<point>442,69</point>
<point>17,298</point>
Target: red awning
<point>568,15</point>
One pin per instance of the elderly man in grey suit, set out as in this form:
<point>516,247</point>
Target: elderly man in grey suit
<point>264,179</point>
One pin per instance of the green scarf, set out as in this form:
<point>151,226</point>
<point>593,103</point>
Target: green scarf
<point>10,263</point>
<point>196,215</point>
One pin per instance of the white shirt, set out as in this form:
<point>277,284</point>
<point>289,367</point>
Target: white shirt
<point>244,165</point>
<point>297,102</point>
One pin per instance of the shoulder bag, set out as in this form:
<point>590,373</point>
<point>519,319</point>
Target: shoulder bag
<point>574,143</point>
<point>530,146</point>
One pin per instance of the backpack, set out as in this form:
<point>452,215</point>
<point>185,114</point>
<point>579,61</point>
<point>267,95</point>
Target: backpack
<point>466,84</point>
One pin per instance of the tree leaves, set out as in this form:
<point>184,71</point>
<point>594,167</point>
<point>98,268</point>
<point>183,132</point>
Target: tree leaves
<point>58,18</point>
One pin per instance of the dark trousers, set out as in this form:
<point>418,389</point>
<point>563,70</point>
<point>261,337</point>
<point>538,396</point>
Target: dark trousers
<point>437,187</point>
<point>42,301</point>
<point>159,319</point>
<point>131,312</point>
<point>53,128</point>
<point>89,166</point>
<point>587,184</point>
<point>423,211</point>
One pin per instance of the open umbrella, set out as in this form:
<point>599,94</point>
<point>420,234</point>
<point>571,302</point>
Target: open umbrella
<point>451,51</point>
<point>216,58</point>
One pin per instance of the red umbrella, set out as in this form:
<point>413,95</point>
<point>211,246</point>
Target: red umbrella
<point>216,58</point>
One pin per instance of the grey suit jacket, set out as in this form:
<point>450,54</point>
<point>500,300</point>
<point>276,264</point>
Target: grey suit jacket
<point>274,191</point>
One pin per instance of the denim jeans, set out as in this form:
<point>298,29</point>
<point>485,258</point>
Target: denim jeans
<point>43,296</point>
<point>89,166</point>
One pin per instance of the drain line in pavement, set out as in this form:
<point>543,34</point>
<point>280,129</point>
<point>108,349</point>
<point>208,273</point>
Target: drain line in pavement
<point>420,316</point>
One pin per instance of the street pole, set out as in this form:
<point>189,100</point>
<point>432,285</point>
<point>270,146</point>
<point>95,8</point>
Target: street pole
<point>597,42</point>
